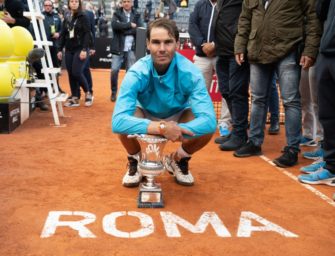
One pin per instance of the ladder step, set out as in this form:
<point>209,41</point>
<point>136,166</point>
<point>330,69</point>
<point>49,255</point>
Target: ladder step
<point>62,97</point>
<point>29,15</point>
<point>44,43</point>
<point>51,70</point>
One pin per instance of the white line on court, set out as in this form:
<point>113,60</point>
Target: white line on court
<point>309,187</point>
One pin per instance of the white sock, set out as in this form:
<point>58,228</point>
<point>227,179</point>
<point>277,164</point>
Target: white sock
<point>136,156</point>
<point>181,153</point>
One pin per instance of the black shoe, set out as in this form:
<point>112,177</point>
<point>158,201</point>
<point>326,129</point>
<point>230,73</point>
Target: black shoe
<point>113,97</point>
<point>248,149</point>
<point>221,139</point>
<point>132,178</point>
<point>274,128</point>
<point>42,106</point>
<point>233,143</point>
<point>288,158</point>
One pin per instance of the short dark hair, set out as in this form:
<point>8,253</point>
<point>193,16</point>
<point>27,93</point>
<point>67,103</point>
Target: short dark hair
<point>167,24</point>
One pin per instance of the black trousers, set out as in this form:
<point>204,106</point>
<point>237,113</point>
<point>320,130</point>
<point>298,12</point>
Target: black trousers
<point>325,77</point>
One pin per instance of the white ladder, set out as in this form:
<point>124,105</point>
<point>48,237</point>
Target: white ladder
<point>50,73</point>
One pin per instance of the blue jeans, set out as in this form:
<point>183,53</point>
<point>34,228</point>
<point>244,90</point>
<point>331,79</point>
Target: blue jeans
<point>261,77</point>
<point>117,60</point>
<point>234,85</point>
<point>274,102</point>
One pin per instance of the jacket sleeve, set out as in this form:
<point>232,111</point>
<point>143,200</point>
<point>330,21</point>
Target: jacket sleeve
<point>118,25</point>
<point>313,29</point>
<point>86,32</point>
<point>123,120</point>
<point>194,27</point>
<point>202,108</point>
<point>243,29</point>
<point>62,38</point>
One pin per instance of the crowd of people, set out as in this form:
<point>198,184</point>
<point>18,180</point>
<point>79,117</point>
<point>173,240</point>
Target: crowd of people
<point>254,46</point>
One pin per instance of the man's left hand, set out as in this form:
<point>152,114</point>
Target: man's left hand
<point>306,62</point>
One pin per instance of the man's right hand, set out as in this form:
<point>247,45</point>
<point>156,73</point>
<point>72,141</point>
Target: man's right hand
<point>133,25</point>
<point>239,57</point>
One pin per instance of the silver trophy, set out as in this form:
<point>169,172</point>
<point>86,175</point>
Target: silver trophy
<point>151,165</point>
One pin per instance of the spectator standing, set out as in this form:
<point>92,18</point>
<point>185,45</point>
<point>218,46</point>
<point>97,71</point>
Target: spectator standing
<point>124,23</point>
<point>325,79</point>
<point>13,13</point>
<point>311,128</point>
<point>279,52</point>
<point>89,12</point>
<point>75,38</point>
<point>202,37</point>
<point>53,27</point>
<point>233,79</point>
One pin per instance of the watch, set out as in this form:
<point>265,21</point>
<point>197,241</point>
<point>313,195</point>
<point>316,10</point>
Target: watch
<point>162,128</point>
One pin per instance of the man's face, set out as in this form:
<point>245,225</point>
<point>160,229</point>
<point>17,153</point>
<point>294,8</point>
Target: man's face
<point>127,4</point>
<point>162,47</point>
<point>48,6</point>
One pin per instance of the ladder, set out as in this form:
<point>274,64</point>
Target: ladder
<point>50,73</point>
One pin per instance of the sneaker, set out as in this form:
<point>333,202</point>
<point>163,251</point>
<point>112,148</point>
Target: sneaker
<point>221,139</point>
<point>132,178</point>
<point>314,155</point>
<point>308,142</point>
<point>42,106</point>
<point>233,143</point>
<point>180,170</point>
<point>73,102</point>
<point>321,176</point>
<point>248,149</point>
<point>89,99</point>
<point>224,130</point>
<point>316,165</point>
<point>274,128</point>
<point>287,159</point>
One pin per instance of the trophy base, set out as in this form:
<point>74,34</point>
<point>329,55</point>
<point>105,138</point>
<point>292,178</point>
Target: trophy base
<point>150,199</point>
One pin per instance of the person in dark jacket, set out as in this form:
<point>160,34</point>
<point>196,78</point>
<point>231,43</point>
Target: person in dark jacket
<point>124,23</point>
<point>53,27</point>
<point>87,72</point>
<point>202,36</point>
<point>13,13</point>
<point>233,79</point>
<point>271,34</point>
<point>75,37</point>
<point>325,79</point>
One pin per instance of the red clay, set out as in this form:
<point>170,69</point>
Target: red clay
<point>79,168</point>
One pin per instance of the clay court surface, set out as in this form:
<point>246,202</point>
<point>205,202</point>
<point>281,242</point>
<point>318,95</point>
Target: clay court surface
<point>79,167</point>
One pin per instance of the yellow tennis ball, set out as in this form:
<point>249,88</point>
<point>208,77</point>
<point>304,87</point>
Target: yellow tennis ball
<point>24,42</point>
<point>7,41</point>
<point>7,81</point>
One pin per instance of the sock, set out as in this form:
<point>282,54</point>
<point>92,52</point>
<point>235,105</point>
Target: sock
<point>181,153</point>
<point>136,156</point>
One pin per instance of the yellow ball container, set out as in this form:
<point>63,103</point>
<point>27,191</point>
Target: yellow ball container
<point>24,42</point>
<point>7,42</point>
<point>7,81</point>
